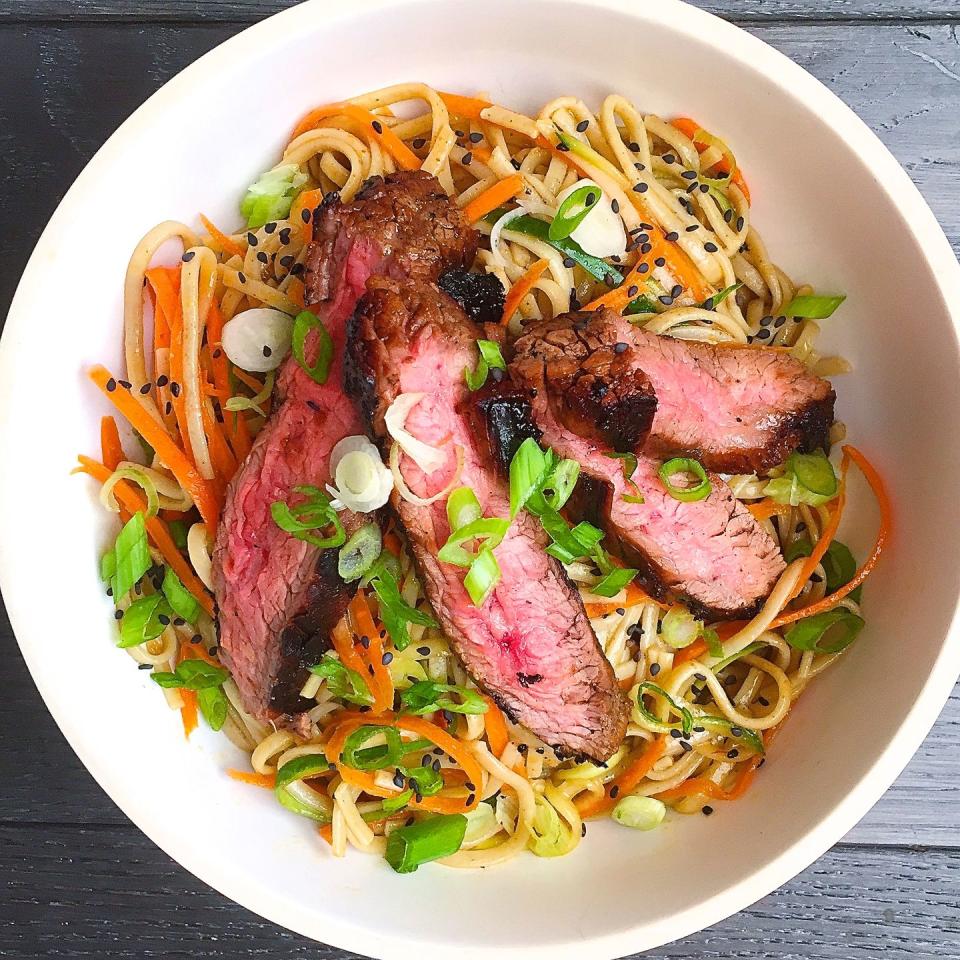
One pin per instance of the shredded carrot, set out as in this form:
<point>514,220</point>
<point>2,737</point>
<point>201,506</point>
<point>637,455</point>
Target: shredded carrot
<point>467,107</point>
<point>490,199</point>
<point>326,831</point>
<point>391,542</point>
<point>195,651</point>
<point>186,473</point>
<point>765,509</point>
<point>221,456</point>
<point>307,200</point>
<point>521,288</point>
<point>228,244</point>
<point>696,649</point>
<point>693,787</point>
<point>266,780</point>
<point>625,781</point>
<point>459,751</point>
<point>883,535</point>
<point>361,619</point>
<point>405,157</point>
<point>495,725</point>
<point>343,644</point>
<point>111,449</point>
<point>188,712</point>
<point>296,291</point>
<point>157,530</point>
<point>690,129</point>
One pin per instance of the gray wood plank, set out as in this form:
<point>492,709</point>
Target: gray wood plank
<point>109,894</point>
<point>235,11</point>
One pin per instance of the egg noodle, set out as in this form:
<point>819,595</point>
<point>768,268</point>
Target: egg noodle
<point>706,703</point>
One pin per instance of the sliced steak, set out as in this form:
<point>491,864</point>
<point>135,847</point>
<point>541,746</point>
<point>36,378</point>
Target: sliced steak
<point>530,645</point>
<point>279,597</point>
<point>735,409</point>
<point>711,554</point>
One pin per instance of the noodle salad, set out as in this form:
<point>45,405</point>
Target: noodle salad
<point>403,755</point>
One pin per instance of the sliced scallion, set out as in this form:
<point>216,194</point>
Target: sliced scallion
<point>300,520</point>
<point>639,813</point>
<point>359,554</point>
<point>483,575</point>
<point>463,507</point>
<point>142,620</point>
<point>303,323</point>
<point>813,307</point>
<point>614,582</point>
<point>428,697</point>
<point>183,603</point>
<point>131,556</point>
<point>572,211</point>
<point>827,632</point>
<point>299,797</point>
<point>699,491</point>
<point>410,847</point>
<point>343,682</point>
<point>662,726</point>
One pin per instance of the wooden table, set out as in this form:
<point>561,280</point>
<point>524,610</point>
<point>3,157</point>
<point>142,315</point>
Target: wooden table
<point>78,880</point>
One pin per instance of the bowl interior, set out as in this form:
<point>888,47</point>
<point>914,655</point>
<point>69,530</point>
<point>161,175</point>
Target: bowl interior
<point>824,207</point>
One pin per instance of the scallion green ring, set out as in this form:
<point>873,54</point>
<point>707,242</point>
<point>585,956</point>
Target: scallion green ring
<point>685,465</point>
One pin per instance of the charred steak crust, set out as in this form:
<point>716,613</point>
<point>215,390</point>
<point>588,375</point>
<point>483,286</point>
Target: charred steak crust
<point>480,294</point>
<point>531,645</point>
<point>504,417</point>
<point>405,220</point>
<point>594,387</point>
<point>735,409</point>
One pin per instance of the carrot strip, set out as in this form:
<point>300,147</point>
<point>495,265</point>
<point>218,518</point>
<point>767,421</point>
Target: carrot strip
<point>297,292</point>
<point>266,780</point>
<point>361,619</point>
<point>467,107</point>
<point>326,831</point>
<point>499,193</point>
<point>392,543</point>
<point>307,200</point>
<point>188,712</point>
<point>690,129</point>
<point>195,651</point>
<point>343,644</point>
<point>765,509</point>
<point>221,456</point>
<point>111,449</point>
<point>625,781</point>
<point>228,244</point>
<point>186,473</point>
<point>850,452</point>
<point>496,728</point>
<point>695,649</point>
<point>521,288</point>
<point>157,530</point>
<point>634,596</point>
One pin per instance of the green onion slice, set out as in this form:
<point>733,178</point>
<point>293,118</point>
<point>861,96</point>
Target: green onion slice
<point>178,531</point>
<point>428,697</point>
<point>641,304</point>
<point>700,491</point>
<point>527,470</point>
<point>489,530</point>
<point>711,303</point>
<point>395,612</point>
<point>813,307</point>
<point>483,576</point>
<point>356,755</point>
<point>183,603</point>
<point>548,835</point>
<point>490,359</point>
<point>240,402</point>
<point>131,556</point>
<point>729,728</point>
<point>559,483</point>
<point>359,554</point>
<point>640,813</point>
<point>299,797</point>
<point>313,513</point>
<point>213,704</point>
<point>629,463</point>
<point>304,322</point>
<point>272,194</point>
<point>661,726</point>
<point>815,472</point>
<point>426,840</point>
<point>141,621</point>
<point>342,682</point>
<point>463,507</point>
<point>424,781</point>
<point>746,651</point>
<point>108,566</point>
<point>827,632</point>
<point>614,582</point>
<point>572,211</point>
<point>192,674</point>
<point>679,627</point>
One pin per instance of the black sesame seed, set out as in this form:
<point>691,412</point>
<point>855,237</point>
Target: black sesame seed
<point>614,792</point>
<point>668,158</point>
<point>164,619</point>
<point>700,677</point>
<point>672,236</point>
<point>729,681</point>
<point>377,126</point>
<point>470,798</point>
<point>740,223</point>
<point>365,642</point>
<point>398,779</point>
<point>126,384</point>
<point>270,227</point>
<point>252,239</point>
<point>562,147</point>
<point>643,268</point>
<point>266,351</point>
<point>162,380</point>
<point>676,734</point>
<point>693,227</point>
<point>698,729</point>
<point>262,257</point>
<point>418,143</point>
<point>168,408</point>
<point>710,247</point>
<point>676,291</point>
<point>286,261</point>
<point>582,126</point>
<point>660,262</point>
<point>583,829</point>
<point>370,669</point>
<point>686,746</point>
<point>179,622</point>
<point>646,247</point>
<point>666,301</point>
<point>780,321</point>
<point>633,146</point>
<point>569,263</point>
<point>632,290</point>
<point>175,388</point>
<point>620,347</point>
<point>118,615</point>
<point>188,256</point>
<point>762,334</point>
<point>241,277</point>
<point>689,175</point>
<point>515,164</point>
<point>766,321</point>
<point>728,216</point>
<point>763,701</point>
<point>297,269</point>
<point>476,137</point>
<point>459,133</point>
<point>144,666</point>
<point>733,754</point>
<point>145,389</point>
<point>816,578</point>
<point>109,591</point>
<point>641,188</point>
<point>692,188</point>
<point>654,669</point>
<point>736,732</point>
<point>522,749</point>
<point>305,216</point>
<point>387,658</point>
<point>423,651</point>
<point>615,206</point>
<point>467,159</point>
<point>284,235</point>
<point>707,811</point>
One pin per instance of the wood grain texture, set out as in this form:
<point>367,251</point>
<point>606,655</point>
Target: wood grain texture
<point>92,893</point>
<point>101,889</point>
<point>231,11</point>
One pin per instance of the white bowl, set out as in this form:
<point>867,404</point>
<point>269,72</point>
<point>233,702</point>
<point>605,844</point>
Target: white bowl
<point>834,207</point>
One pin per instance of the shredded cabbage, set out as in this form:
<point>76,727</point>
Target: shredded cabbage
<point>272,194</point>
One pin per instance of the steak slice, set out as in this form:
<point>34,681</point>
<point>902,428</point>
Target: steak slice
<point>710,554</point>
<point>735,409</point>
<point>530,645</point>
<point>278,596</point>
